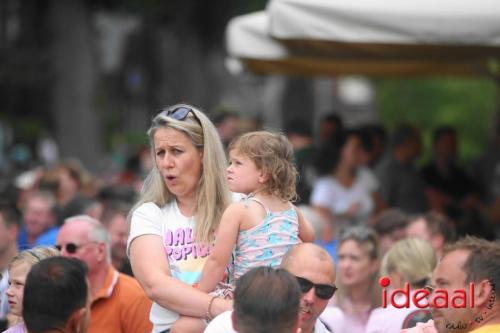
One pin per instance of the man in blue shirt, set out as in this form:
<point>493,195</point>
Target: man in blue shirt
<point>39,221</point>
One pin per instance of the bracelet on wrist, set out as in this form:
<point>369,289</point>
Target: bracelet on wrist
<point>209,308</point>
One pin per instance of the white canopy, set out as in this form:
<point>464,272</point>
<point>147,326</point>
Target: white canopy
<point>390,37</point>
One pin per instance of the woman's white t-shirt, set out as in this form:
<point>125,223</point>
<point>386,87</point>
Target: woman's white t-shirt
<point>329,193</point>
<point>186,259</point>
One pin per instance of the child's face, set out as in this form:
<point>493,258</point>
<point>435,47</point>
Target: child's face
<point>17,277</point>
<point>243,176</point>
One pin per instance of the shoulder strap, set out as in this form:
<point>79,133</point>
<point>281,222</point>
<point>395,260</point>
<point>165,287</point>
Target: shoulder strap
<point>253,198</point>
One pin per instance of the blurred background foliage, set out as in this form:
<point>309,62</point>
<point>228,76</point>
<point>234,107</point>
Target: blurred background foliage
<point>468,104</point>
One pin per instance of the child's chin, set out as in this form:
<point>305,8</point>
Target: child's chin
<point>234,189</point>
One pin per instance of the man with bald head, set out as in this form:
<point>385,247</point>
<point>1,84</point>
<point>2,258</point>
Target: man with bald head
<point>315,271</point>
<point>118,302</point>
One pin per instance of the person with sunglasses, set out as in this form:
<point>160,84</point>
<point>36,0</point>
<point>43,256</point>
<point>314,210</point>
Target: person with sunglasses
<point>118,303</point>
<point>314,270</point>
<point>173,223</point>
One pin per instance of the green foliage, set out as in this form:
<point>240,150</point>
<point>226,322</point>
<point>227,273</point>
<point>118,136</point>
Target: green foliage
<point>467,104</point>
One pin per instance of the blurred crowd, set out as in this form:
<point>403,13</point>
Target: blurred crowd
<point>359,187</point>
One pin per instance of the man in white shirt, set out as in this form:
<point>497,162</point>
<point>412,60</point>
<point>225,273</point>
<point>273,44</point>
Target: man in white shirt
<point>266,300</point>
<point>315,271</point>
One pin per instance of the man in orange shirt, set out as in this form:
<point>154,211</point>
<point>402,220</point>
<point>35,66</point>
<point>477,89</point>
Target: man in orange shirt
<point>119,304</point>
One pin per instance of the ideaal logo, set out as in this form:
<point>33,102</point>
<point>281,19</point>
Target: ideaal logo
<point>441,298</point>
<point>436,298</point>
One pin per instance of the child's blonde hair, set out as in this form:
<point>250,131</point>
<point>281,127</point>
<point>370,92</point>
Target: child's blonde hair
<point>34,255</point>
<point>272,153</point>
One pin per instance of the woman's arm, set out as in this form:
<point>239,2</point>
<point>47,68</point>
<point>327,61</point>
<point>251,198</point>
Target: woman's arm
<point>332,217</point>
<point>306,230</point>
<point>152,270</point>
<point>227,235</point>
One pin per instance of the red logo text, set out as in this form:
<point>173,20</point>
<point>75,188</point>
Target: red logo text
<point>423,298</point>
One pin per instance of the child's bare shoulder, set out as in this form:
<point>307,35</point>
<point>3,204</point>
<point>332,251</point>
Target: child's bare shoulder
<point>236,207</point>
<point>244,207</point>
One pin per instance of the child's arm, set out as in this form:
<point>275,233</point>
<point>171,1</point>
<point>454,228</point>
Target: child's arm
<point>306,230</point>
<point>227,235</point>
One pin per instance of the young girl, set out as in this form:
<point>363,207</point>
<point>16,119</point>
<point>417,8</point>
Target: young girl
<point>19,268</point>
<point>265,225</point>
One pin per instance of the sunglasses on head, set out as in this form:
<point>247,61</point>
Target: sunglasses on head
<point>323,291</point>
<point>178,113</point>
<point>71,247</point>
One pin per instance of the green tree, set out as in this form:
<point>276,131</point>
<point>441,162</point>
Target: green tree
<point>467,104</point>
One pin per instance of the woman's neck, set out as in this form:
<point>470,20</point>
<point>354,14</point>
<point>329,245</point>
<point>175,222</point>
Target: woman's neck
<point>359,294</point>
<point>344,174</point>
<point>186,205</point>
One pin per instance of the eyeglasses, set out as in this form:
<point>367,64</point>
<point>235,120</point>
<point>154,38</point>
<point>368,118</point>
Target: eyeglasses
<point>323,291</point>
<point>429,288</point>
<point>72,247</point>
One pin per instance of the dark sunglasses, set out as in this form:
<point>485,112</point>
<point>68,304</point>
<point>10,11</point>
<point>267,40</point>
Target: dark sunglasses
<point>179,113</point>
<point>71,247</point>
<point>323,291</point>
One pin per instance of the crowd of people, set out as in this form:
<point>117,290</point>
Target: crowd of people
<point>255,232</point>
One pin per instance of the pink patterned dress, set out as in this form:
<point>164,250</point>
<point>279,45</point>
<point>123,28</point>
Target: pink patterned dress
<point>266,243</point>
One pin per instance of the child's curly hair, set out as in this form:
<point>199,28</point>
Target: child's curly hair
<point>272,153</point>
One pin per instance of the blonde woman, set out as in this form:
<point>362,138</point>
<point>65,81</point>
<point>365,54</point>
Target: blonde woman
<point>19,268</point>
<point>179,209</point>
<point>409,262</point>
<point>357,275</point>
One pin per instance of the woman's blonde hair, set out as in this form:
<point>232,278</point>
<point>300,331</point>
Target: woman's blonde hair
<point>212,195</point>
<point>272,153</point>
<point>34,255</point>
<point>413,258</point>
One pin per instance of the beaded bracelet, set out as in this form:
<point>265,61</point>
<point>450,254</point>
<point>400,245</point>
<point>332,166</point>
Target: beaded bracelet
<point>209,313</point>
